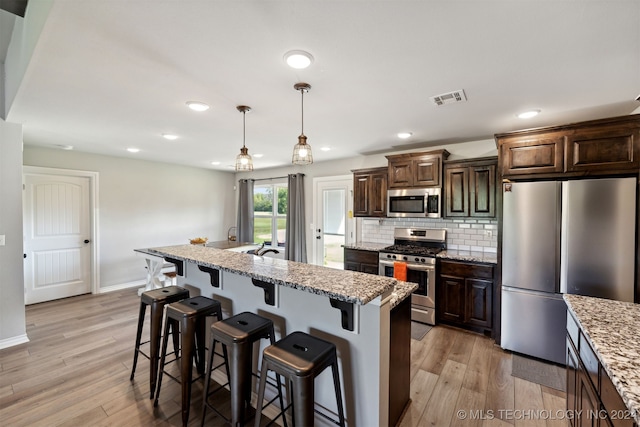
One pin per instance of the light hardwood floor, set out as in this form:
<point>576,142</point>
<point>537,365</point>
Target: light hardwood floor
<point>75,372</point>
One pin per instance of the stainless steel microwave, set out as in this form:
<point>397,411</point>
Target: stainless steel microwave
<point>414,203</point>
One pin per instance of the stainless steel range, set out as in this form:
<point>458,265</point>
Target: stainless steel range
<point>417,247</point>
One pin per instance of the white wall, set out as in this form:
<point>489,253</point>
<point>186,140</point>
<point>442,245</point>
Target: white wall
<point>24,39</point>
<point>145,204</point>
<point>12,315</point>
<point>483,148</point>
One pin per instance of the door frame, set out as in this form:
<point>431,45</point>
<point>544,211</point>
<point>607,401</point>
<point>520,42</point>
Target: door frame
<point>94,266</point>
<point>350,227</point>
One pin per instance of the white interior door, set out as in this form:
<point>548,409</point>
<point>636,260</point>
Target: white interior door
<point>333,219</point>
<point>57,237</point>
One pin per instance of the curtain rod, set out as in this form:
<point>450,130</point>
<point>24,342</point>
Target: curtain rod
<point>275,177</point>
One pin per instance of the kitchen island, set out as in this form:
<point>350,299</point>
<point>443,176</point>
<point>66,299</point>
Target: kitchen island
<point>350,309</point>
<point>603,366</point>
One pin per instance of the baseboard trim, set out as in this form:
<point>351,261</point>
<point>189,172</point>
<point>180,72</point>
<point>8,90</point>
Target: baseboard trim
<point>134,284</point>
<point>10,342</point>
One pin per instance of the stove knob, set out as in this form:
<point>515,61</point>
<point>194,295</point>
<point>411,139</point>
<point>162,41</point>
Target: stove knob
<point>405,258</point>
<point>388,256</point>
<point>423,260</point>
<point>417,259</point>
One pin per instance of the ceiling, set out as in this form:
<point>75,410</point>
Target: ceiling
<point>108,75</point>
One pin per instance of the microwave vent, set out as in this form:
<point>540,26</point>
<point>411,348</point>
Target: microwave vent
<point>449,97</point>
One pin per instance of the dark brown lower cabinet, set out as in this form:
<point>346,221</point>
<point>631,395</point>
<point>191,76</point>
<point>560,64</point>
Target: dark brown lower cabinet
<point>592,399</point>
<point>361,260</point>
<point>464,295</point>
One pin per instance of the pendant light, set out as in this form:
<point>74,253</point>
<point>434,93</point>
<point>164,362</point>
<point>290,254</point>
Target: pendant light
<point>244,163</point>
<point>302,151</point>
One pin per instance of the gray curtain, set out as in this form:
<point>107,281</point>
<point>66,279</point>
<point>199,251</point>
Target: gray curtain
<point>296,243</point>
<point>245,211</point>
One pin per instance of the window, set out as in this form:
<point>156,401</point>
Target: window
<point>270,214</point>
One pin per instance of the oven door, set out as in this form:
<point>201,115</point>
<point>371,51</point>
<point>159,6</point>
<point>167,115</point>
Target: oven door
<point>423,299</point>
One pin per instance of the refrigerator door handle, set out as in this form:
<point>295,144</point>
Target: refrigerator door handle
<point>563,237</point>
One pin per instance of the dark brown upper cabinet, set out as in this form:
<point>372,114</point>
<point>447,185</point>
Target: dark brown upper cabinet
<point>598,147</point>
<point>416,169</point>
<point>370,192</point>
<point>470,188</point>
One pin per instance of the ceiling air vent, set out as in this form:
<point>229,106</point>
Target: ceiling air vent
<point>449,97</point>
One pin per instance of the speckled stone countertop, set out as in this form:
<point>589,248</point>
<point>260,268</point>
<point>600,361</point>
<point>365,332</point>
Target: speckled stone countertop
<point>229,244</point>
<point>611,327</point>
<point>367,246</point>
<point>400,292</point>
<point>349,286</point>
<point>458,255</point>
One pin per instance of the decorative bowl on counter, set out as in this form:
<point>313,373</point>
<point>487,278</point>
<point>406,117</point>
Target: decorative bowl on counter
<point>198,241</point>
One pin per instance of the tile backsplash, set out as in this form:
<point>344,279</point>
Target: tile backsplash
<point>478,235</point>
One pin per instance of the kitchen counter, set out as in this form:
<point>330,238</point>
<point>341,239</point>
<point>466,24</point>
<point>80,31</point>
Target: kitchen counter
<point>229,244</point>
<point>362,314</point>
<point>459,255</point>
<point>347,286</point>
<point>367,246</point>
<point>401,291</point>
<point>611,327</point>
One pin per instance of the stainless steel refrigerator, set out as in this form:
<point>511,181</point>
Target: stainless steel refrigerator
<point>574,237</point>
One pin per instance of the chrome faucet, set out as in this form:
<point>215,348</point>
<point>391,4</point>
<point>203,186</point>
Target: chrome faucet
<point>261,250</point>
<point>275,251</point>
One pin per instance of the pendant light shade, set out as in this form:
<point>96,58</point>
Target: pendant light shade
<point>244,163</point>
<point>302,151</point>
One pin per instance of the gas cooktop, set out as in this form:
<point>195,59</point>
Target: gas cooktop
<point>411,250</point>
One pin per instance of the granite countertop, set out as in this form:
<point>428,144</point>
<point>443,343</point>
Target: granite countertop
<point>611,327</point>
<point>459,255</point>
<point>367,246</point>
<point>229,244</point>
<point>348,286</point>
<point>401,291</point>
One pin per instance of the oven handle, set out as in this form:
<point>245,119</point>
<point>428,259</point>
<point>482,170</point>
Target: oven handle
<point>418,267</point>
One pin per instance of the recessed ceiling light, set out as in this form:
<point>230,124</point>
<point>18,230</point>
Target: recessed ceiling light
<point>197,106</point>
<point>133,150</point>
<point>65,147</point>
<point>298,59</point>
<point>169,136</point>
<point>257,156</point>
<point>404,135</point>
<point>215,163</point>
<point>325,148</point>
<point>528,114</point>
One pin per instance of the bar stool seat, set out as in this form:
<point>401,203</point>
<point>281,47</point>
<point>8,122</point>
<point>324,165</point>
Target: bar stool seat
<point>156,299</point>
<point>301,357</point>
<point>238,334</point>
<point>191,314</point>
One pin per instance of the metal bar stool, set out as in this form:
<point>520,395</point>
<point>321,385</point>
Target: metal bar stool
<point>300,357</point>
<point>237,335</point>
<point>191,314</point>
<point>157,299</point>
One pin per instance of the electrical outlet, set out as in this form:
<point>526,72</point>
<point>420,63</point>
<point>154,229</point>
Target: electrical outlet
<point>1,239</point>
<point>488,233</point>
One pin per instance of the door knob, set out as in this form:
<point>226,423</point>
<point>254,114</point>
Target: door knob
<point>87,240</point>
<point>318,237</point>
<point>24,255</point>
